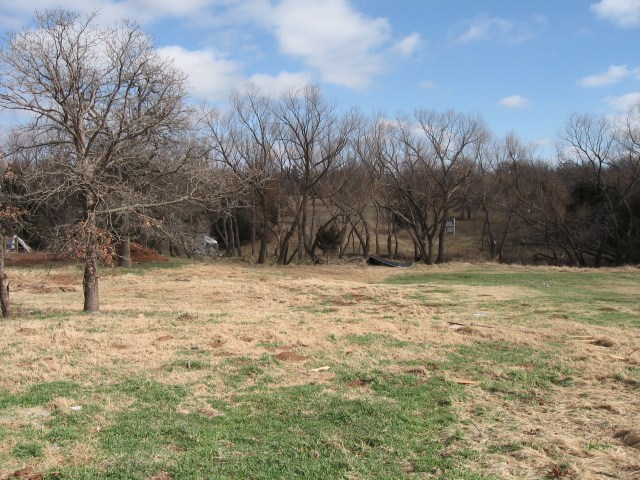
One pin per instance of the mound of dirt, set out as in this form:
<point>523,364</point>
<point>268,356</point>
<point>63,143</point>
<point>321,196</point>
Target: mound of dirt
<point>142,254</point>
<point>139,254</point>
<point>13,259</point>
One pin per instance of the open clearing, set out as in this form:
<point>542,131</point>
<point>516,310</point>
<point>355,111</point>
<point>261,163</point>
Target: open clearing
<point>232,370</point>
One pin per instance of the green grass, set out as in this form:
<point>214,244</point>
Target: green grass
<point>26,451</point>
<point>303,431</point>
<point>39,394</point>
<point>588,296</point>
<point>376,339</point>
<point>400,428</point>
<point>510,370</point>
<point>321,309</point>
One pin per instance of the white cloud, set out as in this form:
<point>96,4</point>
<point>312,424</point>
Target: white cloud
<point>624,102</point>
<point>333,40</point>
<point>428,85</point>
<point>625,13</point>
<point>209,76</point>
<point>341,43</point>
<point>509,32</point>
<point>614,74</point>
<point>483,27</point>
<point>514,101</point>
<point>543,143</point>
<point>143,11</point>
<point>276,85</point>
<point>408,45</point>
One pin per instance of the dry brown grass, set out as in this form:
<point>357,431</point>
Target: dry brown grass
<point>237,310</point>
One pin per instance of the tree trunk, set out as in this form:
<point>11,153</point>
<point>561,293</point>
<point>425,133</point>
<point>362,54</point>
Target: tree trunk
<point>395,237</point>
<point>428,259</point>
<point>264,243</point>
<point>441,236</point>
<point>264,232</point>
<point>377,230</point>
<point>90,284</point>
<point>253,233</point>
<point>284,243</point>
<point>237,236</point>
<point>300,248</point>
<point>90,276</point>
<point>125,252</point>
<point>4,284</point>
<point>363,239</point>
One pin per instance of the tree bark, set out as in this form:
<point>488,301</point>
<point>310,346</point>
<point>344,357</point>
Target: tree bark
<point>125,245</point>
<point>90,285</point>
<point>253,233</point>
<point>125,252</point>
<point>264,232</point>
<point>4,283</point>
<point>237,236</point>
<point>377,230</point>
<point>90,276</point>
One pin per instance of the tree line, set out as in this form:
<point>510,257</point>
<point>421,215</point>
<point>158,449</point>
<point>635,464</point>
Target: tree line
<point>108,148</point>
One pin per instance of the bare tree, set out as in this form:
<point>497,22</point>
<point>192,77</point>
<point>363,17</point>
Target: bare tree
<point>496,191</point>
<point>9,215</point>
<point>254,113</point>
<point>455,143</point>
<point>598,209</point>
<point>312,137</point>
<point>104,103</point>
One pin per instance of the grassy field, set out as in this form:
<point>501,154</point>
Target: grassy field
<point>231,370</point>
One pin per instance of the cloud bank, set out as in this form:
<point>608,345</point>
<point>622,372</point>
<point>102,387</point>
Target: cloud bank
<point>625,13</point>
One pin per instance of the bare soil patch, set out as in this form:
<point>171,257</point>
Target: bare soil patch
<point>139,254</point>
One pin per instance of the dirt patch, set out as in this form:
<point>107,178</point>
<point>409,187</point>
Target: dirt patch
<point>161,476</point>
<point>139,254</point>
<point>360,382</point>
<point>26,330</point>
<point>164,338</point>
<point>288,356</point>
<point>27,473</point>
<point>142,254</point>
<point>13,259</point>
<point>631,438</point>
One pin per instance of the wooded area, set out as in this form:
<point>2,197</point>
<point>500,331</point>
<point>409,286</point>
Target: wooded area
<point>110,150</point>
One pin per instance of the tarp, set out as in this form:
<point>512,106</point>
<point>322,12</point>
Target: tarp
<point>205,245</point>
<point>384,262</point>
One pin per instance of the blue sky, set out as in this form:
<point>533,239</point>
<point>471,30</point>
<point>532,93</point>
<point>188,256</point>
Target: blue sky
<point>524,65</point>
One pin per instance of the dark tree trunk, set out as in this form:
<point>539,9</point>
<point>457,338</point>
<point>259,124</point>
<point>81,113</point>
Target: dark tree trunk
<point>227,237</point>
<point>253,234</point>
<point>441,237</point>
<point>237,236</point>
<point>90,276</point>
<point>264,243</point>
<point>395,237</point>
<point>363,238</point>
<point>284,244</point>
<point>125,252</point>
<point>264,232</point>
<point>90,285</point>
<point>4,284</point>
<point>377,230</point>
